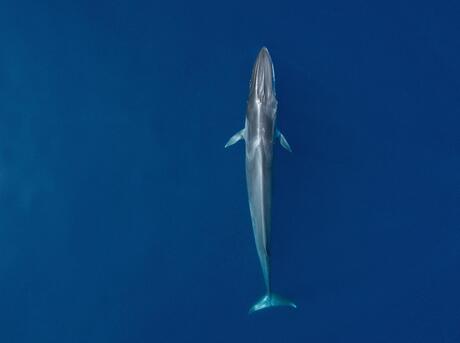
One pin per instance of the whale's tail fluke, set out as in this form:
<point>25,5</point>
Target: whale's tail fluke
<point>271,300</point>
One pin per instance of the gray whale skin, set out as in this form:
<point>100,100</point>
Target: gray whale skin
<point>259,133</point>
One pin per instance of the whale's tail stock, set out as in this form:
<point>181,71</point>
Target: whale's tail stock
<point>271,300</point>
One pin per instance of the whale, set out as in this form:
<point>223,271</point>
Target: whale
<point>259,134</point>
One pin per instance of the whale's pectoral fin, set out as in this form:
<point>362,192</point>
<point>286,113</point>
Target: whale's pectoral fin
<point>235,138</point>
<point>283,141</point>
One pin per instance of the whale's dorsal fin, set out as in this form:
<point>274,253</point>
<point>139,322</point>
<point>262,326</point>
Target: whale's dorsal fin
<point>283,141</point>
<point>235,138</point>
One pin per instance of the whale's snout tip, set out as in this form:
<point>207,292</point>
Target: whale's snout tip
<point>263,53</point>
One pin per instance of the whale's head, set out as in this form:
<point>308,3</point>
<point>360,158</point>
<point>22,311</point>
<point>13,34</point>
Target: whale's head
<point>262,85</point>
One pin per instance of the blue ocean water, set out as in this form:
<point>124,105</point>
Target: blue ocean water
<point>123,218</point>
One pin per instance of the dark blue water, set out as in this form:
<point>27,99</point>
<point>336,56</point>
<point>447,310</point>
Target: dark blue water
<point>123,218</point>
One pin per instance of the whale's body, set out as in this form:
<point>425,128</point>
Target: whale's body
<point>259,134</point>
